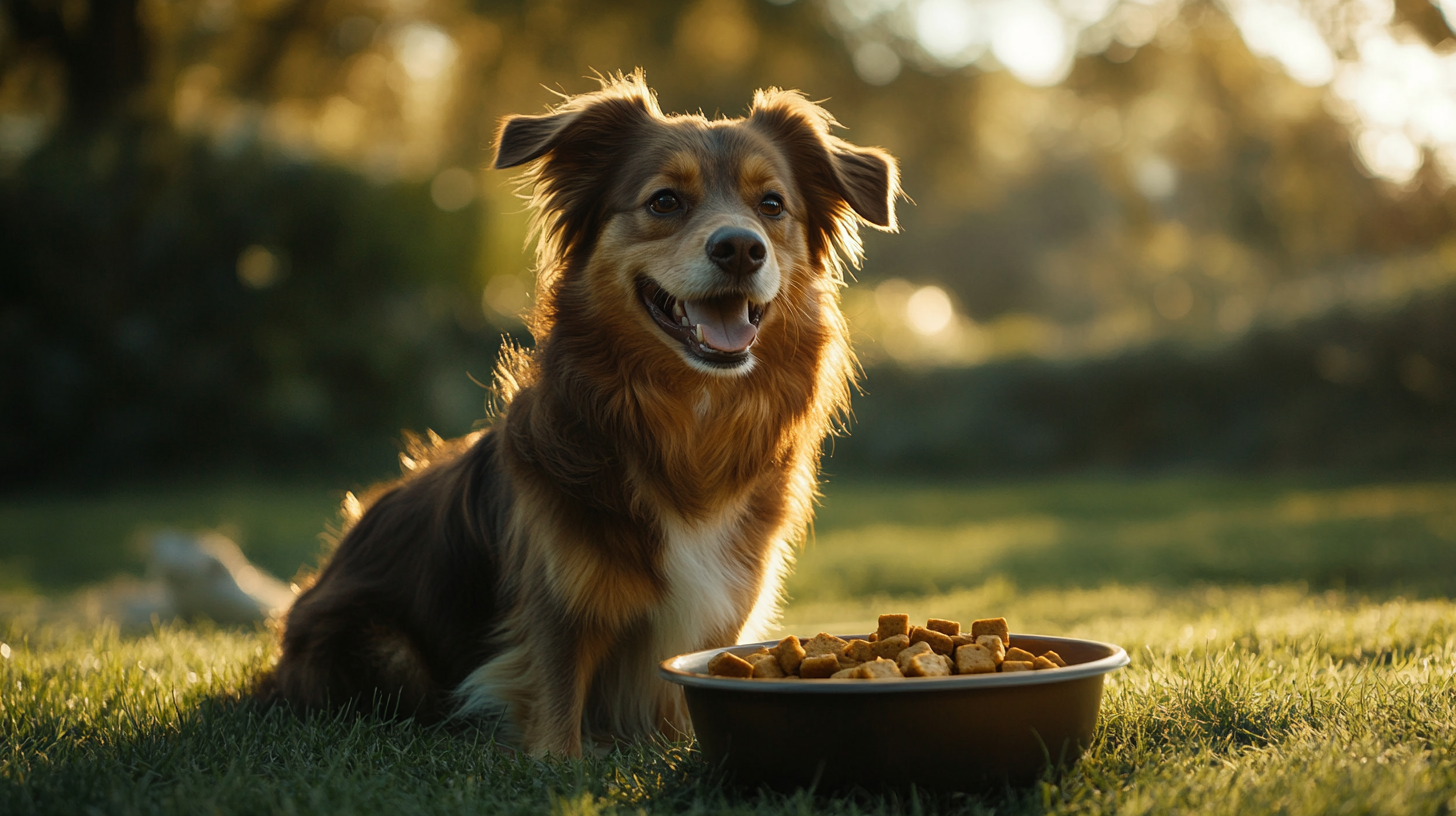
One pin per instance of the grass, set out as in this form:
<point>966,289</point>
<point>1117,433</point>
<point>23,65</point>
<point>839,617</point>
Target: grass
<point>1279,666</point>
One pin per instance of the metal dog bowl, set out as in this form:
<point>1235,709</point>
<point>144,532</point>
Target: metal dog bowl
<point>963,732</point>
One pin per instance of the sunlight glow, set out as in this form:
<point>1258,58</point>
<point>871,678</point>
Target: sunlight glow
<point>951,31</point>
<point>425,50</point>
<point>1280,30</point>
<point>1395,93</point>
<point>929,310</point>
<point>1031,40</point>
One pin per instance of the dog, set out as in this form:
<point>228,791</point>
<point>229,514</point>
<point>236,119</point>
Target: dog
<point>652,461</point>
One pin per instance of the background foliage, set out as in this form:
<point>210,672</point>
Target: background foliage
<point>254,235</point>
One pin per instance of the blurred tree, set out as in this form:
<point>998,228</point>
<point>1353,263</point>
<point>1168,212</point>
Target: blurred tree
<point>257,234</point>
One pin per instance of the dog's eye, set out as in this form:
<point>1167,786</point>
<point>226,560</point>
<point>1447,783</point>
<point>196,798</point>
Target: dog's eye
<point>664,201</point>
<point>771,205</point>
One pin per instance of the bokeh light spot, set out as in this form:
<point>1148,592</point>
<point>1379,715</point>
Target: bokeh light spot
<point>425,51</point>
<point>258,268</point>
<point>1030,39</point>
<point>950,31</point>
<point>929,310</point>
<point>453,189</point>
<point>1283,32</point>
<point>876,63</point>
<point>1389,154</point>
<point>506,296</point>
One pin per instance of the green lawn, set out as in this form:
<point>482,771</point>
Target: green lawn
<point>1293,645</point>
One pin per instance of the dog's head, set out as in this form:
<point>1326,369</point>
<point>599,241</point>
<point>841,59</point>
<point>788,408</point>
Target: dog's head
<point>699,239</point>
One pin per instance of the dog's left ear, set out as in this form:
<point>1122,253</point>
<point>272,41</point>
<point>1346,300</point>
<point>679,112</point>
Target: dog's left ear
<point>865,178</point>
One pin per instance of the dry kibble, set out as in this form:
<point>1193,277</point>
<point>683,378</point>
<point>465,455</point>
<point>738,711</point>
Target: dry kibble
<point>949,628</point>
<point>895,650</point>
<point>939,642</point>
<point>824,644</point>
<point>911,652</point>
<point>879,668</point>
<point>819,666</point>
<point>727,664</point>
<point>929,665</point>
<point>789,653</point>
<point>992,626</point>
<point>891,625</point>
<point>1015,653</point>
<point>993,645</point>
<point>860,650</point>
<point>891,647</point>
<point>974,658</point>
<point>768,669</point>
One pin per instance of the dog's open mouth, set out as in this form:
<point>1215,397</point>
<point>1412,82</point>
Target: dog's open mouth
<point>718,330</point>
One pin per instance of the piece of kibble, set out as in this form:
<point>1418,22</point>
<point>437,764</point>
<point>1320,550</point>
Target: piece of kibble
<point>963,639</point>
<point>1018,653</point>
<point>973,658</point>
<point>789,653</point>
<point>860,651</point>
<point>929,665</point>
<point>874,636</point>
<point>1043,663</point>
<point>879,669</point>
<point>767,669</point>
<point>939,642</point>
<point>824,644</point>
<point>891,625</point>
<point>910,652</point>
<point>819,666</point>
<point>727,664</point>
<point>1016,665</point>
<point>993,645</point>
<point>992,626</point>
<point>891,647</point>
<point>1055,658</point>
<point>851,673</point>
<point>949,628</point>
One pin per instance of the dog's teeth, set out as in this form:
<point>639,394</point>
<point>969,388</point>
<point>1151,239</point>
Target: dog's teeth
<point>677,309</point>
<point>684,320</point>
<point>698,332</point>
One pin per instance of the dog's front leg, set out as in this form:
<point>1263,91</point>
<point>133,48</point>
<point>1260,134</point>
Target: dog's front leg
<point>562,669</point>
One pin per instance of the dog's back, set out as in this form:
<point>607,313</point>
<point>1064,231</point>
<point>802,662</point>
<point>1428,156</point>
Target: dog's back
<point>403,610</point>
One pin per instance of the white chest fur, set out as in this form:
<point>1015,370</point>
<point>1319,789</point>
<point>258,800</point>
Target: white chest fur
<point>713,592</point>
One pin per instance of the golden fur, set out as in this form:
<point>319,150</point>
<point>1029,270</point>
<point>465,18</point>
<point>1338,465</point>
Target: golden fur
<point>638,494</point>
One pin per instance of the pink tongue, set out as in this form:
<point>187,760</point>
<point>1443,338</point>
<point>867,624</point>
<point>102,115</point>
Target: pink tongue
<point>724,321</point>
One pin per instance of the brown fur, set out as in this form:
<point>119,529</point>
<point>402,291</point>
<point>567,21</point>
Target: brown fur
<point>628,503</point>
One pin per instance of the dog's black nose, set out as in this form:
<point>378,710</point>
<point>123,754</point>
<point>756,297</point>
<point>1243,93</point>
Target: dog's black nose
<point>737,251</point>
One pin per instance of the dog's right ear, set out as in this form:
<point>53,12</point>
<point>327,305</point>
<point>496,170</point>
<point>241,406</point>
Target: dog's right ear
<point>607,116</point>
<point>524,138</point>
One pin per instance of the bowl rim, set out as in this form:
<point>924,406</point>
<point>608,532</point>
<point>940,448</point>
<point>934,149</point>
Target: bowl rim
<point>672,670</point>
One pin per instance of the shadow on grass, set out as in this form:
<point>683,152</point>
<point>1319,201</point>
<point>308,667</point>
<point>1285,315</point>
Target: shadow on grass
<point>223,754</point>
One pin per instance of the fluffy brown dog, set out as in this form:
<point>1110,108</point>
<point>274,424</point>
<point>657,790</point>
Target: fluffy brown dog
<point>656,455</point>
